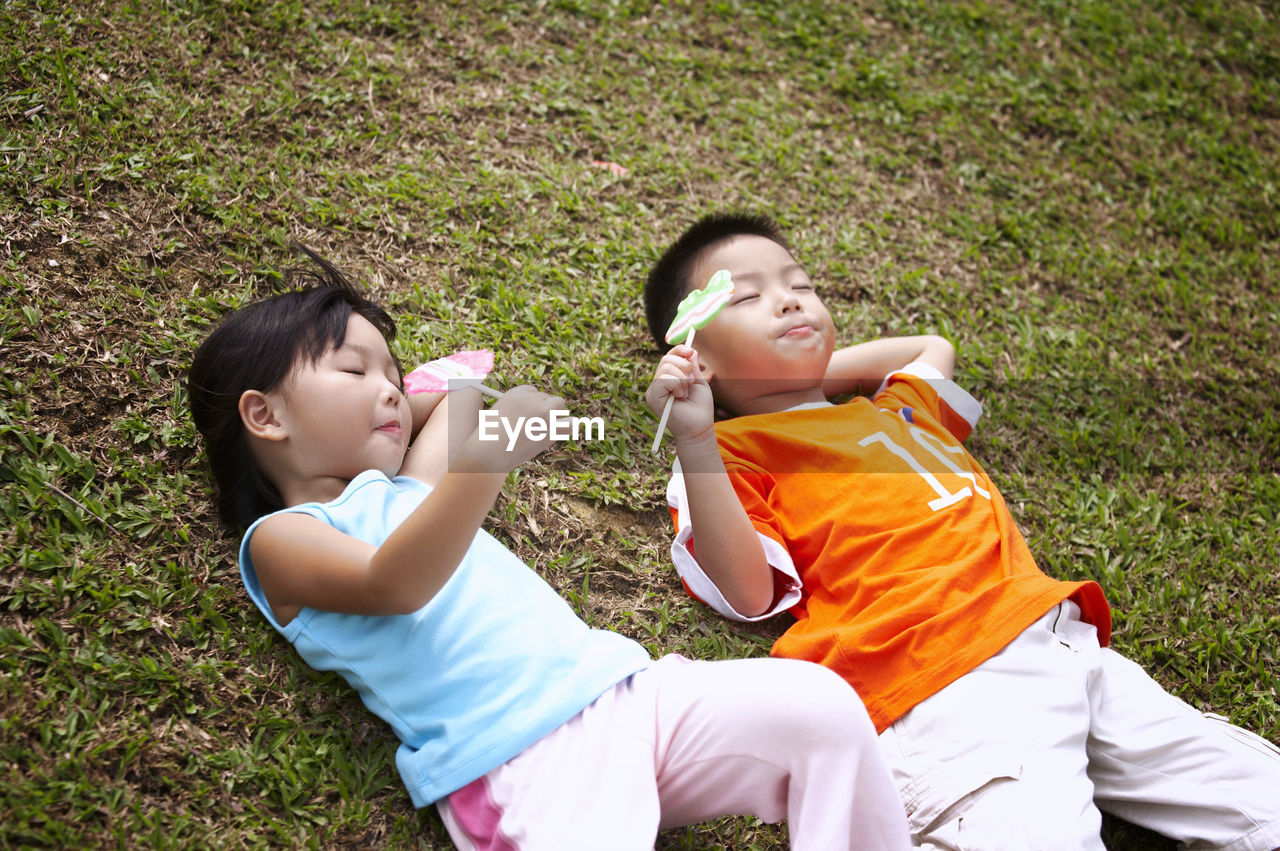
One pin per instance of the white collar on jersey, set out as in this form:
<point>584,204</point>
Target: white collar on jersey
<point>805,406</point>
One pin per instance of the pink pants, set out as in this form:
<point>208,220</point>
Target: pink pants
<point>683,742</point>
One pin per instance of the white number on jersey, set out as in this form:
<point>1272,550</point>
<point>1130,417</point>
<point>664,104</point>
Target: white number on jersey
<point>936,448</point>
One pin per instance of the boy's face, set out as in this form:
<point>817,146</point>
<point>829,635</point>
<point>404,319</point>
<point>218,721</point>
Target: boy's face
<point>774,336</point>
<point>346,413</point>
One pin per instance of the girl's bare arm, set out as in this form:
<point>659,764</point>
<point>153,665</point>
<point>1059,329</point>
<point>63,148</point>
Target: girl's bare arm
<point>302,561</point>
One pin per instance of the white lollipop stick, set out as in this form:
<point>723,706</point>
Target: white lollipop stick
<point>666,409</point>
<point>484,388</point>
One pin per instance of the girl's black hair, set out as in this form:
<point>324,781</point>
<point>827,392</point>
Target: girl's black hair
<point>669,281</point>
<point>255,348</point>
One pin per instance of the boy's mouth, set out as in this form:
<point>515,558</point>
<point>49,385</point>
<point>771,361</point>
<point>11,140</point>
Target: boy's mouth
<point>802,330</point>
<point>391,426</point>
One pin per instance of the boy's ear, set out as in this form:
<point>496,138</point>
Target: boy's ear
<point>705,369</point>
<point>259,415</point>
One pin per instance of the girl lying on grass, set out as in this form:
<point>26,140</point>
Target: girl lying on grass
<point>527,728</point>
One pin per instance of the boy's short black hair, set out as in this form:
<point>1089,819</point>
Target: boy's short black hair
<point>255,348</point>
<point>669,281</point>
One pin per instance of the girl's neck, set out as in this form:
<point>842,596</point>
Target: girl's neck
<point>318,489</point>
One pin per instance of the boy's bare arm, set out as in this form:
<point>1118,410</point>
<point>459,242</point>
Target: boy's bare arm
<point>861,367</point>
<point>725,542</point>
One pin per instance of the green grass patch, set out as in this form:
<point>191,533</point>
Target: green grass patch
<point>1081,195</point>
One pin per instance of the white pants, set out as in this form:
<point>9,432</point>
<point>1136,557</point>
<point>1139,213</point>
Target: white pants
<point>682,742</point>
<point>1022,752</point>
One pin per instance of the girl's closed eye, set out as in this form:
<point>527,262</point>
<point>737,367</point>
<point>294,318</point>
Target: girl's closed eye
<point>739,298</point>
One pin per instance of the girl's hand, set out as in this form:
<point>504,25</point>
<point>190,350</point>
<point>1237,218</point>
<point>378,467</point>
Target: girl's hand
<point>516,428</point>
<point>679,377</point>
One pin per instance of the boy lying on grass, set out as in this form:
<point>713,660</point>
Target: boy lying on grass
<point>1005,719</point>
<point>526,728</point>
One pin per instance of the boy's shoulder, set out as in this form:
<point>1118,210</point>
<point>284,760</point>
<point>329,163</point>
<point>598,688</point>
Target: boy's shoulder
<point>917,396</point>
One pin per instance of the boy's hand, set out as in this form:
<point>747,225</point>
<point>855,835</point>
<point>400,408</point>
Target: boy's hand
<point>679,376</point>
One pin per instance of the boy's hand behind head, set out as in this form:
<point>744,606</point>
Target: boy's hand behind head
<point>678,375</point>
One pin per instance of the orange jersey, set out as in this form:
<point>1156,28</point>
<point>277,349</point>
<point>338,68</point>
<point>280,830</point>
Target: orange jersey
<point>890,545</point>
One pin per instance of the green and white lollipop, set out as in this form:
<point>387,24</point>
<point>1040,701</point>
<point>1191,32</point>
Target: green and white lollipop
<point>694,311</point>
<point>700,307</point>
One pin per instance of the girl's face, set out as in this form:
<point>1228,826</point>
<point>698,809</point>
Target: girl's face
<point>346,413</point>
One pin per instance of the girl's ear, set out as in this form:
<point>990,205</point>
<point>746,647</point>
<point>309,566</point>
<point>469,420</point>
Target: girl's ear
<point>259,415</point>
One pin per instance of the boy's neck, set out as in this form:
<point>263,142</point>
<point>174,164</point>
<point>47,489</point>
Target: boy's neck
<point>773,403</point>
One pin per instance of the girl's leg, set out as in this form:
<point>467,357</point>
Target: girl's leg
<point>682,742</point>
<point>583,787</point>
<point>776,739</point>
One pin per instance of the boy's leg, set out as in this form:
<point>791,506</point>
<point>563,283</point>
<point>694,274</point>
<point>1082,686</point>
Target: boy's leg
<point>1157,762</point>
<point>776,739</point>
<point>1013,754</point>
<point>997,759</point>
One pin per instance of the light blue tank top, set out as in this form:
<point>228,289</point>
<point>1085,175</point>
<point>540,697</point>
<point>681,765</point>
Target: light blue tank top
<point>495,661</point>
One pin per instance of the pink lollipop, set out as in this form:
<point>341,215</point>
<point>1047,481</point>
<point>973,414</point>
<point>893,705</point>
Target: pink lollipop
<point>434,377</point>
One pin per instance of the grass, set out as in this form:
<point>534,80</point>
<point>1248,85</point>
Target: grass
<point>1081,195</point>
